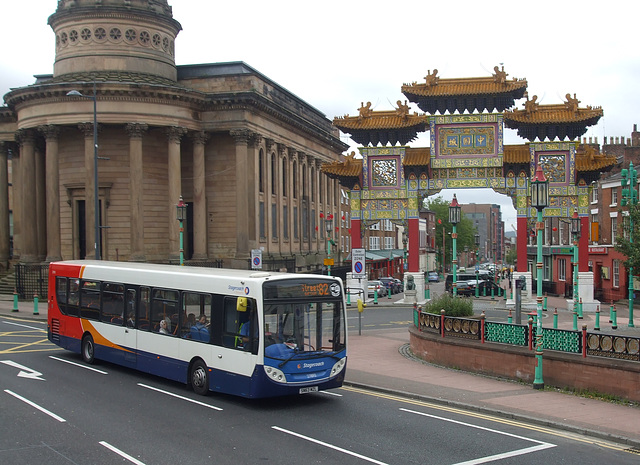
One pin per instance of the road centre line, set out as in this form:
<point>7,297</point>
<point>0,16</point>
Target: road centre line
<point>330,446</point>
<point>120,453</point>
<point>36,406</point>
<point>179,397</point>
<point>78,365</point>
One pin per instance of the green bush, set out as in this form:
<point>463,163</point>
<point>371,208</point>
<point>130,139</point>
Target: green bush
<point>452,306</point>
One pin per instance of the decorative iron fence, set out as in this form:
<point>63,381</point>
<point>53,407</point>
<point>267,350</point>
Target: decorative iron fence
<point>562,340</point>
<point>31,279</point>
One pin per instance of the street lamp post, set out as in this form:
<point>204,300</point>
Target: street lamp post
<point>454,219</point>
<point>96,205</point>
<point>181,215</point>
<point>404,244</point>
<point>477,237</point>
<point>539,200</point>
<point>575,231</point>
<point>630,197</point>
<point>328,225</point>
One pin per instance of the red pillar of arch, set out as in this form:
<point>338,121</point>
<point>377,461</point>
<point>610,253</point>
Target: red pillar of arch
<point>414,245</point>
<point>521,242</point>
<point>356,240</point>
<point>583,244</point>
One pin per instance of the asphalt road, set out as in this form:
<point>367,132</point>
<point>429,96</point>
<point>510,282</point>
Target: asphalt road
<point>58,410</point>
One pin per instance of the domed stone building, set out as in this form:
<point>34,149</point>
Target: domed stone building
<point>243,152</point>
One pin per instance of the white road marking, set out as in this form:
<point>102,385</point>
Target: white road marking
<point>541,445</point>
<point>24,326</point>
<point>330,393</point>
<point>25,372</point>
<point>330,446</point>
<point>179,397</point>
<point>78,365</point>
<point>34,405</point>
<point>120,453</point>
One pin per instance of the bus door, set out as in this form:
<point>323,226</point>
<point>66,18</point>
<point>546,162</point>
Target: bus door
<point>130,334</point>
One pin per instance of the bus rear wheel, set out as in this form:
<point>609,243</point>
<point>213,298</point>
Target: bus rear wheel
<point>88,349</point>
<point>200,378</point>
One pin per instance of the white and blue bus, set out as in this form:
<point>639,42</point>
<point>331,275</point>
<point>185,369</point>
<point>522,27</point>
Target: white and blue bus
<point>248,333</point>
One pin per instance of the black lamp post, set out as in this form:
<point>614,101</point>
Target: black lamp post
<point>539,200</point>
<point>404,244</point>
<point>181,215</point>
<point>454,219</point>
<point>96,204</point>
<point>477,238</point>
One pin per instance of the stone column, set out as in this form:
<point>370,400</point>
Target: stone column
<point>89,191</point>
<point>28,188</point>
<point>4,206</point>
<point>174,135</point>
<point>136,132</point>
<point>41,203</point>
<point>16,199</point>
<point>52,182</point>
<point>200,233</point>
<point>252,180</point>
<point>242,138</point>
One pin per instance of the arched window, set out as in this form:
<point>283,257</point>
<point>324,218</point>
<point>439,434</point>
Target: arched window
<point>273,174</point>
<point>295,179</point>
<point>285,180</point>
<point>261,171</point>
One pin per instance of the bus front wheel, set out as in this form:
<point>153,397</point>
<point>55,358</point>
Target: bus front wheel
<point>88,349</point>
<point>200,378</point>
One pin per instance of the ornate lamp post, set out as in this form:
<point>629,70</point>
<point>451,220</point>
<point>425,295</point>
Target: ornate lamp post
<point>539,200</point>
<point>96,197</point>
<point>454,219</point>
<point>630,197</point>
<point>181,215</point>
<point>477,237</point>
<point>404,244</point>
<point>575,231</point>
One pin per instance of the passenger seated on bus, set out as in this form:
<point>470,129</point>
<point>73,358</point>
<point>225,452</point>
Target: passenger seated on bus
<point>163,327</point>
<point>200,331</point>
<point>131,321</point>
<point>202,322</point>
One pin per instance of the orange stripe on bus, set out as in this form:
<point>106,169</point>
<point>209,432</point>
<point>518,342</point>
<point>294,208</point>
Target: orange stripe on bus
<point>99,338</point>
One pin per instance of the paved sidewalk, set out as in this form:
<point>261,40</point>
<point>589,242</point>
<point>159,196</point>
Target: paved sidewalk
<point>382,361</point>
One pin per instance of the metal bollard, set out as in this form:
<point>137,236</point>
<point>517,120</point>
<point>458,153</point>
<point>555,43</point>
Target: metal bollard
<point>614,318</point>
<point>544,306</point>
<point>348,299</point>
<point>35,304</point>
<point>575,320</point>
<point>597,326</point>
<point>510,317</point>
<point>15,301</point>
<point>580,308</point>
<point>611,313</point>
<point>555,318</point>
<point>375,297</point>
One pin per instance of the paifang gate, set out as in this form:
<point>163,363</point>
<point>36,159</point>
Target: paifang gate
<point>466,119</point>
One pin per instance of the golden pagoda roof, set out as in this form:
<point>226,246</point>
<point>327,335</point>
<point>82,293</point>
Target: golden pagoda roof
<point>349,167</point>
<point>369,119</point>
<point>590,159</point>
<point>567,112</point>
<point>434,86</point>
<point>419,156</point>
<point>516,153</point>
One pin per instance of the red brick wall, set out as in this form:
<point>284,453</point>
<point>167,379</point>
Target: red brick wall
<point>562,370</point>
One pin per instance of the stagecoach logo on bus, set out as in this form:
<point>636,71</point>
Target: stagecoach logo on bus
<point>239,289</point>
<point>335,290</point>
<point>311,365</point>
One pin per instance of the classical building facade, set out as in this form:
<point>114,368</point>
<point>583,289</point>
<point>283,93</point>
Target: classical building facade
<point>243,152</point>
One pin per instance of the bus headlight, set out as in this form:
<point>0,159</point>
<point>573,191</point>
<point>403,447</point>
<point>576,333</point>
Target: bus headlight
<point>275,374</point>
<point>339,366</point>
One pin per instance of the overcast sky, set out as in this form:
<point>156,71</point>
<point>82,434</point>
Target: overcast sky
<point>336,54</point>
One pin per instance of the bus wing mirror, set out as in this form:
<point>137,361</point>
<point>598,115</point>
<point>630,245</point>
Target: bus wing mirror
<point>241,304</point>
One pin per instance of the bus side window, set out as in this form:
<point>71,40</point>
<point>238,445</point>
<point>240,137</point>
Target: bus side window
<point>143,310</point>
<point>231,323</point>
<point>61,293</point>
<point>130,308</point>
<point>90,300</point>
<point>113,303</point>
<point>73,301</point>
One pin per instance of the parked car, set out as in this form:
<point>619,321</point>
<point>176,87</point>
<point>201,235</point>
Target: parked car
<point>466,276</point>
<point>463,289</point>
<point>376,286</point>
<point>400,284</point>
<point>433,277</point>
<point>482,284</point>
<point>390,283</point>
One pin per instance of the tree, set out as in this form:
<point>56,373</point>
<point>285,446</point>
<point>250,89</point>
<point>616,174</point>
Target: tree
<point>629,243</point>
<point>465,229</point>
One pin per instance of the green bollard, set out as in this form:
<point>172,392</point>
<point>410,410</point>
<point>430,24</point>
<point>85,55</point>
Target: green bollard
<point>15,301</point>
<point>427,294</point>
<point>555,318</point>
<point>575,321</point>
<point>389,293</point>
<point>349,299</point>
<point>35,304</point>
<point>611,314</point>
<point>544,307</point>
<point>510,317</point>
<point>484,290</point>
<point>375,296</point>
<point>492,293</point>
<point>580,308</point>
<point>614,319</point>
<point>597,326</point>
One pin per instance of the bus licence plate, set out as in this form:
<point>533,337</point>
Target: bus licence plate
<point>305,390</point>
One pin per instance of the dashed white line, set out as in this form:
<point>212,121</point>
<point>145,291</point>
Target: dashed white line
<point>330,446</point>
<point>121,454</point>
<point>78,365</point>
<point>179,397</point>
<point>34,405</point>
